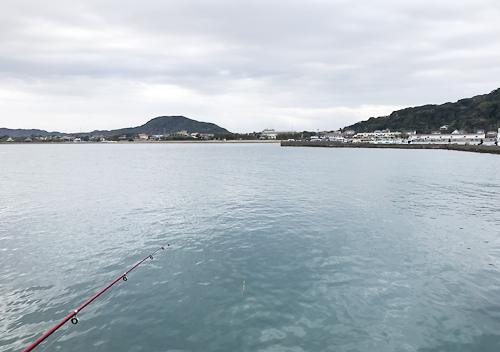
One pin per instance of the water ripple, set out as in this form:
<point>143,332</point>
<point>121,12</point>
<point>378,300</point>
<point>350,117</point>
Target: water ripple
<point>340,250</point>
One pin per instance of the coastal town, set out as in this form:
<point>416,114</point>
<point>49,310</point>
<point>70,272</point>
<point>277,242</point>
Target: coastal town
<point>390,137</point>
<point>346,136</point>
<point>141,137</point>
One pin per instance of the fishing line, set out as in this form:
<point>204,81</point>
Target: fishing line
<point>62,334</point>
<point>104,299</point>
<point>73,315</point>
<point>95,309</point>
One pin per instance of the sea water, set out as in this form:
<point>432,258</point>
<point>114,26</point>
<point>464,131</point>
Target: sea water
<point>338,249</point>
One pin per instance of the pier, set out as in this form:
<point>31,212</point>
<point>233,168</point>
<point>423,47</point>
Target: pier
<point>492,149</point>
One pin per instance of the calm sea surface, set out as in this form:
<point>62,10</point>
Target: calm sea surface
<point>340,249</point>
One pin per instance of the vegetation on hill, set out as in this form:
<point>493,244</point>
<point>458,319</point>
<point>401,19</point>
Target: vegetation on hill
<point>469,115</point>
<point>158,125</point>
<point>168,124</point>
<point>20,132</point>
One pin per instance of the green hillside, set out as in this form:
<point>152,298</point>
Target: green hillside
<point>479,112</point>
<point>22,132</point>
<point>168,124</point>
<point>158,125</point>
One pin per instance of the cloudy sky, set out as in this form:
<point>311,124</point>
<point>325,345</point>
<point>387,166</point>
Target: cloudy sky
<point>71,65</point>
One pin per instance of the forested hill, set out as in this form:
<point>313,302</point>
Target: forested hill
<point>20,132</point>
<point>479,112</point>
<point>168,124</point>
<point>158,125</point>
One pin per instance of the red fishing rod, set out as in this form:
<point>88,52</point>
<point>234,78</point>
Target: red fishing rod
<point>72,315</point>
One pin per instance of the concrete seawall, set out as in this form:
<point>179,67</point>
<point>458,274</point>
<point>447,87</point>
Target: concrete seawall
<point>463,148</point>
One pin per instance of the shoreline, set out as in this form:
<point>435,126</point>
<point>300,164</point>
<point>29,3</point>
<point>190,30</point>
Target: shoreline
<point>146,142</point>
<point>490,149</point>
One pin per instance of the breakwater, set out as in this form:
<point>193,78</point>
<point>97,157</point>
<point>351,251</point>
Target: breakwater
<point>492,149</point>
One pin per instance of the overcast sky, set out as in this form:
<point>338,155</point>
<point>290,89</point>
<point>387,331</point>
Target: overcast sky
<point>68,65</point>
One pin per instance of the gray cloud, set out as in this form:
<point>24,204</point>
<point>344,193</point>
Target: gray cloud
<point>245,65</point>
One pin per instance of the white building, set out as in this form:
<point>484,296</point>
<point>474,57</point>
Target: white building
<point>448,137</point>
<point>378,135</point>
<point>269,134</point>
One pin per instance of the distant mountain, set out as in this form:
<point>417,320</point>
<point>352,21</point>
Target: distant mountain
<point>168,124</point>
<point>21,133</point>
<point>479,112</point>
<point>158,125</point>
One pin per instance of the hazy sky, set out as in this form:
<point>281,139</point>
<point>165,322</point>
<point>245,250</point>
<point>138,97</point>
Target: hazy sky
<point>245,65</point>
